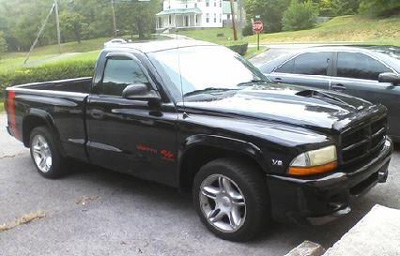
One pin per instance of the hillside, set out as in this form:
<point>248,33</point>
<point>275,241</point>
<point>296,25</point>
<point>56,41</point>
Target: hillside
<point>352,28</point>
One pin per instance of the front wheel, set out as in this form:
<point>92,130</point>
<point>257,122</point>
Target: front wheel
<point>231,199</point>
<point>45,154</point>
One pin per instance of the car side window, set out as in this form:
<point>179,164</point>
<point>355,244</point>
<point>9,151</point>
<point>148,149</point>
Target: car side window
<point>286,68</point>
<point>119,73</point>
<point>360,66</point>
<point>308,64</point>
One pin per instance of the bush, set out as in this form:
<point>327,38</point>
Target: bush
<point>239,48</point>
<point>61,70</point>
<point>248,30</point>
<point>299,16</point>
<point>380,7</point>
<point>3,44</point>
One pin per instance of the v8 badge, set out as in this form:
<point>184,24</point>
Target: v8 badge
<point>276,162</point>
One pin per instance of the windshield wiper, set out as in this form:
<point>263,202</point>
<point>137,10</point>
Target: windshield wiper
<point>208,89</point>
<point>254,81</point>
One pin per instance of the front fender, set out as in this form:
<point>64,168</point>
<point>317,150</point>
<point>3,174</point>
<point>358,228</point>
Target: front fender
<point>223,142</point>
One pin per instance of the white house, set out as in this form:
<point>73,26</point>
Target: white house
<point>194,14</point>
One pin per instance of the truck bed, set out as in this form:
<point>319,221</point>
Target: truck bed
<point>61,103</point>
<point>79,85</point>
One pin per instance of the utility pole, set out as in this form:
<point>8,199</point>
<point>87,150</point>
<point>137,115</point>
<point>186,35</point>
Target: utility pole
<point>114,18</point>
<point>233,21</point>
<point>58,26</point>
<point>40,33</point>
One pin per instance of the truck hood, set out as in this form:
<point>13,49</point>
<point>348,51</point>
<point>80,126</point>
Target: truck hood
<point>293,105</point>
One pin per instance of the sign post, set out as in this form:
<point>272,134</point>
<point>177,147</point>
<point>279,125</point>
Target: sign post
<point>258,27</point>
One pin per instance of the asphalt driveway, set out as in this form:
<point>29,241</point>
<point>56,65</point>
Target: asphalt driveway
<point>98,212</point>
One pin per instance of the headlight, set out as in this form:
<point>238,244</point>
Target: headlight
<point>314,162</point>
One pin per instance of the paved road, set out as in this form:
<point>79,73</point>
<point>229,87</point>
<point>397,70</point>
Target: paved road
<point>134,217</point>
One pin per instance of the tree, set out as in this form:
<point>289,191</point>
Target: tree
<point>338,7</point>
<point>138,17</point>
<point>299,16</point>
<point>73,23</point>
<point>3,44</point>
<point>380,7</point>
<point>271,12</point>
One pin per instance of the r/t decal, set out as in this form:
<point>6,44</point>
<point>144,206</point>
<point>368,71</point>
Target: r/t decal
<point>167,155</point>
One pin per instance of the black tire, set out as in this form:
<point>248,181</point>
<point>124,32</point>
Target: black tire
<point>58,166</point>
<point>250,181</point>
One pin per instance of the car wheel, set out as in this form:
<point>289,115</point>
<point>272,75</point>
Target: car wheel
<point>45,154</point>
<point>231,198</point>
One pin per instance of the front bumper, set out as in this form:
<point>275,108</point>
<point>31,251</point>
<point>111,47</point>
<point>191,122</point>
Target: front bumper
<point>320,200</point>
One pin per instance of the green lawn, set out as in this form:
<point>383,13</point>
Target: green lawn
<point>350,28</point>
<point>218,36</point>
<point>252,51</point>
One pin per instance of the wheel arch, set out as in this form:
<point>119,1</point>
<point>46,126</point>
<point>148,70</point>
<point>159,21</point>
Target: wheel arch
<point>201,149</point>
<point>36,118</point>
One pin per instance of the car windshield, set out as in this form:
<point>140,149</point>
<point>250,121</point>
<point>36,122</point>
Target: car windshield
<point>207,69</point>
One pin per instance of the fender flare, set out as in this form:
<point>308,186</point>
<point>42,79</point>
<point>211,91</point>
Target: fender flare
<point>43,115</point>
<point>221,142</point>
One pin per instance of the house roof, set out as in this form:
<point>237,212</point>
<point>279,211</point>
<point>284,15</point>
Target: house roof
<point>180,11</point>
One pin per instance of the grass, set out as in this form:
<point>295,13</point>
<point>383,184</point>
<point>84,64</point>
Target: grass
<point>352,28</point>
<point>25,219</point>
<point>211,35</point>
<point>1,106</point>
<point>252,52</point>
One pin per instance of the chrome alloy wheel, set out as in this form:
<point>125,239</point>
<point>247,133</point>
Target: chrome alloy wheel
<point>41,153</point>
<point>222,203</point>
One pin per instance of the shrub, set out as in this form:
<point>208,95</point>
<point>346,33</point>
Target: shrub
<point>49,72</point>
<point>3,44</point>
<point>248,30</point>
<point>240,48</point>
<point>299,16</point>
<point>380,7</point>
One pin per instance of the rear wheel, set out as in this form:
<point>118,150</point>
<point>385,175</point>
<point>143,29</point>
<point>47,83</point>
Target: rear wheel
<point>45,154</point>
<point>231,199</point>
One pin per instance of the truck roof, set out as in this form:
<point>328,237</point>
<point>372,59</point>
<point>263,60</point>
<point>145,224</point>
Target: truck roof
<point>159,45</point>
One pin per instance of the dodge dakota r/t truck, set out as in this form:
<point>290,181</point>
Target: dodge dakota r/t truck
<point>198,117</point>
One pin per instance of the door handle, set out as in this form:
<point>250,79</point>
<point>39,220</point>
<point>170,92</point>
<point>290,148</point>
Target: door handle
<point>338,87</point>
<point>278,79</point>
<point>97,114</point>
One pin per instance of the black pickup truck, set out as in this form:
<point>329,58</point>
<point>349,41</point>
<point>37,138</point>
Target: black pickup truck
<point>198,117</point>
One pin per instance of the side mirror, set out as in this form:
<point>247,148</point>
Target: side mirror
<point>140,92</point>
<point>389,78</point>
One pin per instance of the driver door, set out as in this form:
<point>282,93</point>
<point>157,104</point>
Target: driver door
<point>126,135</point>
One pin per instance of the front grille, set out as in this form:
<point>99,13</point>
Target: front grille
<point>363,142</point>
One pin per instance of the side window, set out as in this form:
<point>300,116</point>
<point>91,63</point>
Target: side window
<point>360,66</point>
<point>119,73</point>
<point>286,68</point>
<point>312,63</point>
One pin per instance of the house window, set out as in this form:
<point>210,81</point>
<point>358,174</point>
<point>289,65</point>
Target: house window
<point>228,16</point>
<point>160,25</point>
<point>195,5</point>
<point>215,18</point>
<point>197,18</point>
<point>207,3</point>
<point>220,18</point>
<point>207,17</point>
<point>215,3</point>
<point>170,19</point>
<point>220,3</point>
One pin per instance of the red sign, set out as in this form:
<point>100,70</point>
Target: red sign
<point>258,26</point>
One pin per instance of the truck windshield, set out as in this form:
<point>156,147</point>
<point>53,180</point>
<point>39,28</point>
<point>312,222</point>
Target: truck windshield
<point>206,69</point>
